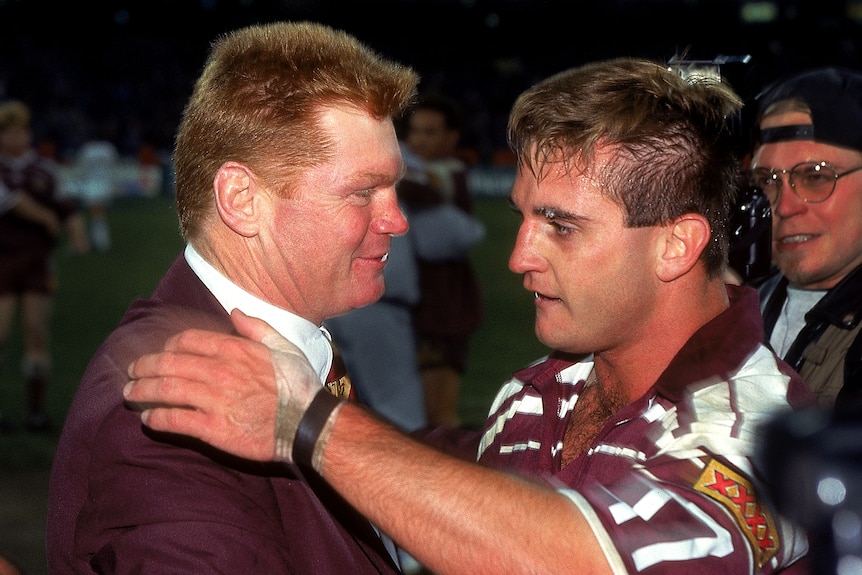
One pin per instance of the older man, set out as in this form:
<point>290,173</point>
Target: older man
<point>286,163</point>
<point>808,162</point>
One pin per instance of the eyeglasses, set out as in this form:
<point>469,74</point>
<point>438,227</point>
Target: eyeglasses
<point>813,182</point>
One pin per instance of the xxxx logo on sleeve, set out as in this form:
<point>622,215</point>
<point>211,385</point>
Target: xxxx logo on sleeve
<point>736,493</point>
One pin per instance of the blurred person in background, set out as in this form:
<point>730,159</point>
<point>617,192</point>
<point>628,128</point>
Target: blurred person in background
<point>97,182</point>
<point>450,307</point>
<point>808,163</point>
<point>29,233</point>
<point>378,341</point>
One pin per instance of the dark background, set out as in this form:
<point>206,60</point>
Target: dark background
<point>134,62</point>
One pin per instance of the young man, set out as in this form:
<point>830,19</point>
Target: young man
<point>630,448</point>
<point>286,163</point>
<point>808,162</point>
<point>30,231</point>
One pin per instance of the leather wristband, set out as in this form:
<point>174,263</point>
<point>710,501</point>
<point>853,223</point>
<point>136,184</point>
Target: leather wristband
<point>312,425</point>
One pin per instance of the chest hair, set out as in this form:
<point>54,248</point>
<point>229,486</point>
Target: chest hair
<point>593,409</point>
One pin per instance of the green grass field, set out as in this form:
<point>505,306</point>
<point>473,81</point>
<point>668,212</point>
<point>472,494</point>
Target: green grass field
<point>95,290</point>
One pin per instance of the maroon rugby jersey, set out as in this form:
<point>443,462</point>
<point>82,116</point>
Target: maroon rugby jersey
<point>668,484</point>
<point>35,176</point>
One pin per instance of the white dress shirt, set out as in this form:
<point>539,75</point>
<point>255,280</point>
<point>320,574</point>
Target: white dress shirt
<point>311,339</point>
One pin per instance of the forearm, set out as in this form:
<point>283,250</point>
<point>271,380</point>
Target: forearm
<point>29,209</point>
<point>453,516</point>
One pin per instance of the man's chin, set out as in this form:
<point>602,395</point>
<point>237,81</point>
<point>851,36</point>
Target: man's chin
<point>546,338</point>
<point>806,277</point>
<point>367,299</point>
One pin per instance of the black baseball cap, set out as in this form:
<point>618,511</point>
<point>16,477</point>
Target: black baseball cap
<point>834,96</point>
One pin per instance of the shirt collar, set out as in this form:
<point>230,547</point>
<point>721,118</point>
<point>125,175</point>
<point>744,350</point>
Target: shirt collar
<point>311,339</point>
<point>719,347</point>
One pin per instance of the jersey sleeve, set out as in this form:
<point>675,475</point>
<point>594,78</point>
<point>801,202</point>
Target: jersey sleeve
<point>687,516</point>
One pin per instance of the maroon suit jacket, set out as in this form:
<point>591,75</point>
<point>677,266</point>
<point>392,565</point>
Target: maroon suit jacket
<point>124,499</point>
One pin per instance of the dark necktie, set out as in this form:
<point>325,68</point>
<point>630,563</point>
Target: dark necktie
<point>338,384</point>
<point>337,381</point>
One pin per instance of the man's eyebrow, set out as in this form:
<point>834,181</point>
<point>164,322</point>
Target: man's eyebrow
<point>552,213</point>
<point>370,178</point>
<point>548,212</point>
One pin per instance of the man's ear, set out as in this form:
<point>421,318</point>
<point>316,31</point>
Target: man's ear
<point>237,198</point>
<point>681,246</point>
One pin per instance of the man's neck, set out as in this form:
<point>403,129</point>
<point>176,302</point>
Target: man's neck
<point>628,371</point>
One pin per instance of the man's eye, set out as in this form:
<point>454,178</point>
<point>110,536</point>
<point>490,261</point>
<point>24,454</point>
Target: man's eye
<point>363,197</point>
<point>562,230</point>
<point>814,178</point>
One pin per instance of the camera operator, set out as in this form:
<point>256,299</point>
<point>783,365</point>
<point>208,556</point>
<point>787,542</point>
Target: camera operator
<point>807,161</point>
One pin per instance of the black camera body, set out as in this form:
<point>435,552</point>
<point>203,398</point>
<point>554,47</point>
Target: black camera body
<point>751,235</point>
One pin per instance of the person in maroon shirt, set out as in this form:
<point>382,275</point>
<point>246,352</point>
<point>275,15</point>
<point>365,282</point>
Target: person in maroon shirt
<point>450,307</point>
<point>630,449</point>
<point>30,231</point>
